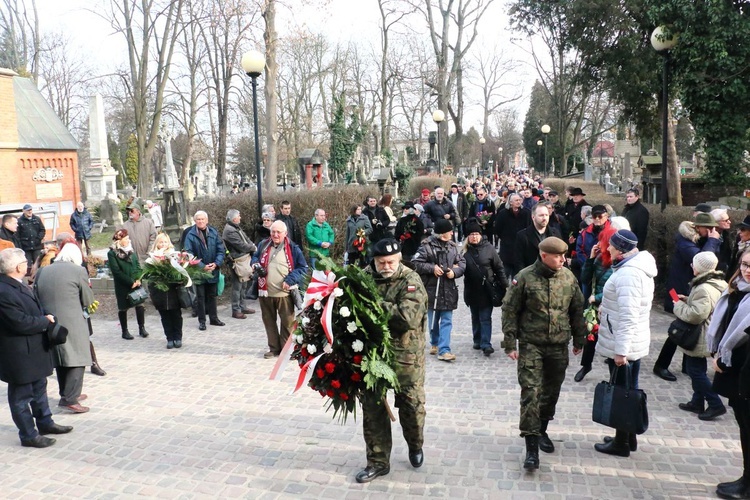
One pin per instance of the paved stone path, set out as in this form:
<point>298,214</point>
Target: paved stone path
<point>205,422</point>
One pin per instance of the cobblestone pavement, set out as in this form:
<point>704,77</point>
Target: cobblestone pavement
<point>205,422</point>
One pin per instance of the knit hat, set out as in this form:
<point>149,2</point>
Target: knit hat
<point>443,226</point>
<point>704,262</point>
<point>472,226</point>
<point>624,240</point>
<point>425,191</point>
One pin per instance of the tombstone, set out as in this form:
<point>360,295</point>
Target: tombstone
<point>100,177</point>
<point>588,172</point>
<point>109,212</point>
<point>175,210</point>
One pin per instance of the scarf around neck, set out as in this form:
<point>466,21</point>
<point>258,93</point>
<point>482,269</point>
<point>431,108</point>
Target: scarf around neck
<point>735,335</point>
<point>265,260</point>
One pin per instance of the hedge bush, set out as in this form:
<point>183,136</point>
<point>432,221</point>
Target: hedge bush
<point>336,202</point>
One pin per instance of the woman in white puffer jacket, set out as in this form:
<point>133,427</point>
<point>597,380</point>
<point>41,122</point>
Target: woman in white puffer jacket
<point>624,329</point>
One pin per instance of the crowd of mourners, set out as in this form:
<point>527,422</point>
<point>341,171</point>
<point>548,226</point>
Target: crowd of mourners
<point>562,269</point>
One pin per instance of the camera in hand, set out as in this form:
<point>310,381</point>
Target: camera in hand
<point>261,271</point>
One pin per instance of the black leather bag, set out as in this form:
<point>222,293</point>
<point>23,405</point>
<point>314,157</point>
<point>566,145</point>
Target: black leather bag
<point>620,407</point>
<point>498,291</point>
<point>252,288</point>
<point>186,300</point>
<point>137,296</point>
<point>684,334</point>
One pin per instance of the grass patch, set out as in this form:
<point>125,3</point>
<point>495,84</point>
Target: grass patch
<point>101,240</point>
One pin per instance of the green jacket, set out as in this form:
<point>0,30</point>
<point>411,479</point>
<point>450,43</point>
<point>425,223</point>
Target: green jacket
<point>405,298</point>
<point>125,272</point>
<point>317,234</point>
<point>543,307</point>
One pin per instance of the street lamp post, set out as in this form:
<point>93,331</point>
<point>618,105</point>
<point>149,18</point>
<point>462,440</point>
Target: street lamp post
<point>482,140</point>
<point>663,42</point>
<point>438,116</point>
<point>545,131</point>
<point>253,63</point>
<point>539,151</point>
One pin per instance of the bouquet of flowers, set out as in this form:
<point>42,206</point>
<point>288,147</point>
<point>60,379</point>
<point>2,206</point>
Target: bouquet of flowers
<point>408,231</point>
<point>341,342</point>
<point>177,268</point>
<point>360,242</point>
<point>484,217</point>
<point>591,317</point>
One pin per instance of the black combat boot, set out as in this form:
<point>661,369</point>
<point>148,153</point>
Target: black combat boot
<point>532,453</point>
<point>123,316</point>
<point>545,443</point>
<point>619,446</point>
<point>735,489</point>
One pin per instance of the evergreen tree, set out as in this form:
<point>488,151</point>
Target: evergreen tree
<point>131,160</point>
<point>344,138</point>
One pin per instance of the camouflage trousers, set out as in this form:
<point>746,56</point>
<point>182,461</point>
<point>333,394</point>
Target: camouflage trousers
<point>410,400</point>
<point>541,371</point>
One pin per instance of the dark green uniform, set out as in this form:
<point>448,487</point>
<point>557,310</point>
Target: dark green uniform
<point>542,310</point>
<point>405,298</point>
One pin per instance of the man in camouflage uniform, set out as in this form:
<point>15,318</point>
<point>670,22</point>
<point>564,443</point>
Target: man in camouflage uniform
<point>405,299</point>
<point>543,309</point>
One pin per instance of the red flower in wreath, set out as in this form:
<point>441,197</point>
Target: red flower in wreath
<point>357,359</point>
<point>356,377</point>
<point>330,367</point>
<point>335,384</point>
<point>329,393</point>
<point>320,373</point>
<point>343,396</point>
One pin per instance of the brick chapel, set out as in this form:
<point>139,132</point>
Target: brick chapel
<point>38,155</point>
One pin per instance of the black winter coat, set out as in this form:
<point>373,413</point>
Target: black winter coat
<point>482,264</point>
<point>445,254</point>
<point>527,244</point>
<point>380,224</point>
<point>293,230</point>
<point>409,232</point>
<point>25,356</point>
<point>31,232</point>
<point>507,226</point>
<point>164,301</point>
<point>637,216</point>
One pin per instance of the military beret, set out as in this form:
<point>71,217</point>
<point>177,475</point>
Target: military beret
<point>553,245</point>
<point>387,246</point>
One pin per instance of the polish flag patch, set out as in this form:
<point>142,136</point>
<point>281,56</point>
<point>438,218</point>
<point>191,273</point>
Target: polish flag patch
<point>411,288</point>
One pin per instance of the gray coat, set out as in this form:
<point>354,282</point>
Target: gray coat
<point>63,291</point>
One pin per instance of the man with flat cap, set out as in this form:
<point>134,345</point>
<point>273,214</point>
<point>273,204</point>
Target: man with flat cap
<point>542,311</point>
<point>405,299</point>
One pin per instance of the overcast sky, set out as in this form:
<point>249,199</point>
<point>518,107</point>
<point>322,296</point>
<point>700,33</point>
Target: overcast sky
<point>340,20</point>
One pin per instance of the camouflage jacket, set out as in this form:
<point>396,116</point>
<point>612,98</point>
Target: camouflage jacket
<point>543,307</point>
<point>405,298</point>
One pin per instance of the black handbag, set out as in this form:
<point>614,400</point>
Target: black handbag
<point>498,291</point>
<point>620,407</point>
<point>186,300</point>
<point>252,288</point>
<point>684,334</point>
<point>137,296</point>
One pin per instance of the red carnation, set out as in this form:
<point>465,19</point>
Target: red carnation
<point>322,394</point>
<point>335,384</point>
<point>343,396</point>
<point>330,367</point>
<point>357,359</point>
<point>329,393</point>
<point>320,373</point>
<point>356,377</point>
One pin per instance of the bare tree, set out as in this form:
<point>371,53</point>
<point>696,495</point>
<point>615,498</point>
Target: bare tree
<point>150,29</point>
<point>224,32</point>
<point>497,90</point>
<point>270,38</point>
<point>444,16</point>
<point>20,36</point>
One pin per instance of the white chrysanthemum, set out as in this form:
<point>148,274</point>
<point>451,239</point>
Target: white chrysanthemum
<point>298,339</point>
<point>351,327</point>
<point>338,292</point>
<point>328,349</point>
<point>311,348</point>
<point>345,312</point>
<point>317,306</point>
<point>357,346</point>
<point>305,321</point>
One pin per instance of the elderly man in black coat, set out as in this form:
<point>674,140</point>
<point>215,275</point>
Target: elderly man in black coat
<point>25,355</point>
